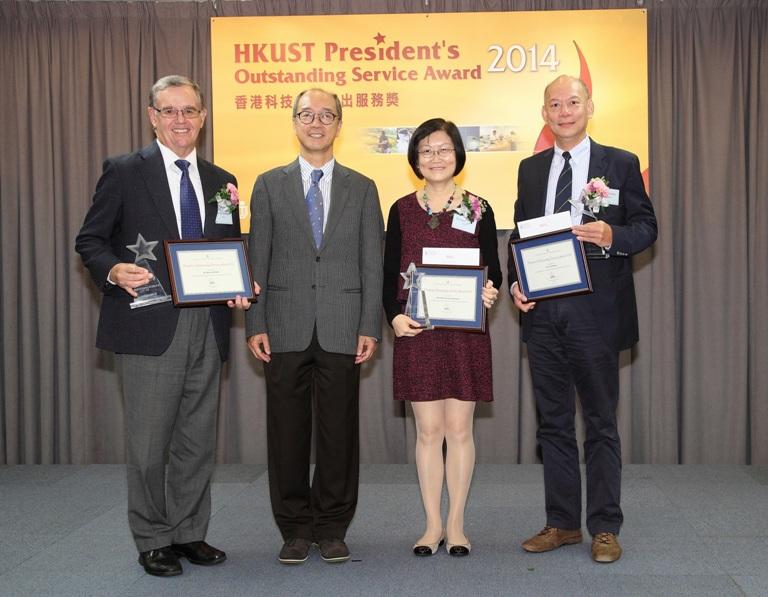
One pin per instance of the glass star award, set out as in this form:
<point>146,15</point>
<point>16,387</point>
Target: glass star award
<point>152,292</point>
<point>416,304</point>
<point>591,250</point>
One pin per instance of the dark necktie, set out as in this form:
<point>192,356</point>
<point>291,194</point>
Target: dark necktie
<point>315,207</point>
<point>564,183</point>
<point>191,226</point>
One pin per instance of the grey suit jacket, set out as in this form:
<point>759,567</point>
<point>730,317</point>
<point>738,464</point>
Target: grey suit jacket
<point>336,287</point>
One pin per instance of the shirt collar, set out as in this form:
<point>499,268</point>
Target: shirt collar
<point>578,153</point>
<point>306,168</point>
<point>169,158</point>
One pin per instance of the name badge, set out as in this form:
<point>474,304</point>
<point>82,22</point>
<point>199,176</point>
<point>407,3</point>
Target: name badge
<point>613,196</point>
<point>460,222</point>
<point>223,217</point>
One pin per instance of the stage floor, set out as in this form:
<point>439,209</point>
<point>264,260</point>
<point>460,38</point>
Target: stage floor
<point>688,530</point>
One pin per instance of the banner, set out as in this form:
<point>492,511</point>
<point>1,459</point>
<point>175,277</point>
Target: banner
<point>484,71</point>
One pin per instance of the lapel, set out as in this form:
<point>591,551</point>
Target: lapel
<point>152,169</point>
<point>542,179</point>
<point>210,183</point>
<point>293,196</point>
<point>598,160</point>
<point>339,198</point>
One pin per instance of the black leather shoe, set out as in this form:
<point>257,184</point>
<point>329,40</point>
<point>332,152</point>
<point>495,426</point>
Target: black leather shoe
<point>160,562</point>
<point>200,553</point>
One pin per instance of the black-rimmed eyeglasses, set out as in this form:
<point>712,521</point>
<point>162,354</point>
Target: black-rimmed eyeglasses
<point>307,117</point>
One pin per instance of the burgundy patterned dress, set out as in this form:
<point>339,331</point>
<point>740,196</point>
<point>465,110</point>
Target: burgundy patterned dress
<point>436,364</point>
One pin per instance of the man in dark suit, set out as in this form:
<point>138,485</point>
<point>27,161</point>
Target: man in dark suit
<point>168,359</point>
<point>316,249</point>
<point>574,342</point>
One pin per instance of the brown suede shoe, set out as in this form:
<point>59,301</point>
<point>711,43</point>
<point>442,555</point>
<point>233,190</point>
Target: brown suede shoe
<point>550,538</point>
<point>605,548</point>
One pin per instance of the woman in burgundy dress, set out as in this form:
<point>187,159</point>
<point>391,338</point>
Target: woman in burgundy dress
<point>443,373</point>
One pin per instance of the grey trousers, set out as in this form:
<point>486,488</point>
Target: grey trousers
<point>171,404</point>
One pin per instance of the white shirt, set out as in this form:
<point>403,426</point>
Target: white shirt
<point>324,183</point>
<point>580,169</point>
<point>173,172</point>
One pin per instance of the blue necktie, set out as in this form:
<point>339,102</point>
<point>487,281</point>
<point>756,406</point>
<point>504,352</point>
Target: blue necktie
<point>191,226</point>
<point>315,207</point>
<point>564,183</point>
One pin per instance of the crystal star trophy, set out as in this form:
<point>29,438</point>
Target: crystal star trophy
<point>592,250</point>
<point>152,292</point>
<point>416,304</point>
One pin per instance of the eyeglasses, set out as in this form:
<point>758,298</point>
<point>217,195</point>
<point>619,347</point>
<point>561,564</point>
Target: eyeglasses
<point>168,112</point>
<point>428,153</point>
<point>307,117</point>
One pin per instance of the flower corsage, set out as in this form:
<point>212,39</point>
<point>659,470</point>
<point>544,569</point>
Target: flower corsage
<point>472,206</point>
<point>594,196</point>
<point>227,197</point>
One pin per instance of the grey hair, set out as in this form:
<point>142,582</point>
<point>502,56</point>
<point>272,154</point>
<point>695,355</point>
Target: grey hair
<point>174,81</point>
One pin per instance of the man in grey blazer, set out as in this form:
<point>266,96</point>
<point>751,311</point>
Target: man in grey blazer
<point>316,250</point>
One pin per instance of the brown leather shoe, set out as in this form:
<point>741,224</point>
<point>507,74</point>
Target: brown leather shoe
<point>605,548</point>
<point>550,538</point>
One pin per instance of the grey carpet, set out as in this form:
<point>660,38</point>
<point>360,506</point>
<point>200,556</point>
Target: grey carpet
<point>689,530</point>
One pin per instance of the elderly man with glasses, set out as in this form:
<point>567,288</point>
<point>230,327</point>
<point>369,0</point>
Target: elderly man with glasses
<point>168,358</point>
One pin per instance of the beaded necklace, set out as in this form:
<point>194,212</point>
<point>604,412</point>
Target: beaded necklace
<point>434,220</point>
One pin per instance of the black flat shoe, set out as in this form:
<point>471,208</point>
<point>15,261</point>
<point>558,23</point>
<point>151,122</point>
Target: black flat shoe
<point>427,549</point>
<point>200,553</point>
<point>160,562</point>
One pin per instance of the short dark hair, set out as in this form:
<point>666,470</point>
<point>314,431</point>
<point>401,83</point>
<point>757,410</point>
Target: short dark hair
<point>424,130</point>
<point>335,97</point>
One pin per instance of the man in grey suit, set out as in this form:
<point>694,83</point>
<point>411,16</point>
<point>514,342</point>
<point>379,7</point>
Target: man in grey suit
<point>168,358</point>
<point>316,250</point>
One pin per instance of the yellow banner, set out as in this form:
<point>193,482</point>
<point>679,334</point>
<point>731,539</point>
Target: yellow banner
<point>484,71</point>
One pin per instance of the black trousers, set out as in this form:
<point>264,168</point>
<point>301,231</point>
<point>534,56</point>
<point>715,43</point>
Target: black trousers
<point>297,384</point>
<point>566,352</point>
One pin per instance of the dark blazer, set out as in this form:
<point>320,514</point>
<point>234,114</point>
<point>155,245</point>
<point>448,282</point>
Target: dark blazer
<point>336,288</point>
<point>634,229</point>
<point>132,197</point>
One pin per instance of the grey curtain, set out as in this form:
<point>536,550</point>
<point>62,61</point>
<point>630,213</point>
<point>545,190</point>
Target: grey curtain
<point>695,390</point>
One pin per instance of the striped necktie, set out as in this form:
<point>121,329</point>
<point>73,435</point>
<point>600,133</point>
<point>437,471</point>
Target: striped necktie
<point>564,184</point>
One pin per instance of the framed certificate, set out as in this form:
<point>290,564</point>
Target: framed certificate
<point>551,265</point>
<point>208,272</point>
<point>450,297</point>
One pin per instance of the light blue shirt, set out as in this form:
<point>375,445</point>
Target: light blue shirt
<point>324,184</point>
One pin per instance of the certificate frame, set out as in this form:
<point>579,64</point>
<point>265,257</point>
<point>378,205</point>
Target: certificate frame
<point>225,258</point>
<point>565,274</point>
<point>474,319</point>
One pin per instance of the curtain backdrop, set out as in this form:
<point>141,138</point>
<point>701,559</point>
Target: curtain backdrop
<point>75,77</point>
